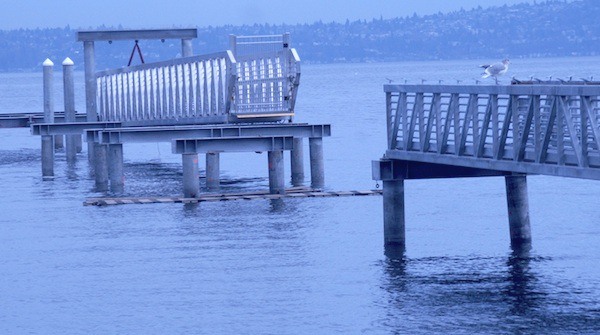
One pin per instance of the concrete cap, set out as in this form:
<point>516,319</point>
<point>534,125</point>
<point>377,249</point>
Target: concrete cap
<point>48,62</point>
<point>68,62</point>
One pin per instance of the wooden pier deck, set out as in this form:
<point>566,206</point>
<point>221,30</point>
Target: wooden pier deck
<point>298,192</point>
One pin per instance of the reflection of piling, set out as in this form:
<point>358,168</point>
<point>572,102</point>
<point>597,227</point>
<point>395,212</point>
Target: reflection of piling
<point>48,140</point>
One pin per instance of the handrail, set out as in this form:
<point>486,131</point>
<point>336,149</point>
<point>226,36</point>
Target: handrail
<point>517,124</point>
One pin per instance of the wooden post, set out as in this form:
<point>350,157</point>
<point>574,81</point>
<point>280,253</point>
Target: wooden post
<point>48,140</point>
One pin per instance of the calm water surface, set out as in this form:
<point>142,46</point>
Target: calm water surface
<point>297,266</point>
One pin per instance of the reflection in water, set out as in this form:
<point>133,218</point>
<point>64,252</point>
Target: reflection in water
<point>452,291</point>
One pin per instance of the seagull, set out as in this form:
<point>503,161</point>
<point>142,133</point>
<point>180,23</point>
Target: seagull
<point>495,70</point>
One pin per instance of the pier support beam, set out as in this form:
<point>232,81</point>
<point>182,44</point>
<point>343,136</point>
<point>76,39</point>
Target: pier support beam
<point>47,157</point>
<point>191,176</point>
<point>317,169</point>
<point>393,213</point>
<point>100,167</point>
<point>213,173</point>
<point>518,212</point>
<point>297,162</point>
<point>115,167</point>
<point>186,47</point>
<point>276,172</point>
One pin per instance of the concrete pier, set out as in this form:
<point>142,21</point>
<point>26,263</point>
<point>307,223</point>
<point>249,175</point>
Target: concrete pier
<point>393,213</point>
<point>297,162</point>
<point>518,212</point>
<point>276,172</point>
<point>191,176</point>
<point>317,168</point>
<point>115,167</point>
<point>101,167</point>
<point>71,141</point>
<point>213,173</point>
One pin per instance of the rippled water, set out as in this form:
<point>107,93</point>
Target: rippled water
<point>297,266</point>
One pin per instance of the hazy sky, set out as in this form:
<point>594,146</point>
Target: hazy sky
<point>191,13</point>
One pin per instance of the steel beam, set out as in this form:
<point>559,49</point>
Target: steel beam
<point>145,34</point>
<point>232,144</point>
<point>70,128</point>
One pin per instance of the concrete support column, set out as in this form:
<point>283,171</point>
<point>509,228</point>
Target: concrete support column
<point>48,141</point>
<point>213,173</point>
<point>71,141</point>
<point>518,211</point>
<point>317,169</point>
<point>89,59</point>
<point>115,167</point>
<point>393,213</point>
<point>47,157</point>
<point>100,167</point>
<point>297,162</point>
<point>186,47</point>
<point>191,175</point>
<point>276,172</point>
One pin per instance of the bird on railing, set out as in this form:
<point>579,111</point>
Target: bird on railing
<point>389,80</point>
<point>495,70</point>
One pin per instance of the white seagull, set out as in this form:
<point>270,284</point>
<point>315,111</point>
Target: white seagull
<point>495,70</point>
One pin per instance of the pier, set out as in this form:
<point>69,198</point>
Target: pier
<point>450,131</point>
<point>237,100</point>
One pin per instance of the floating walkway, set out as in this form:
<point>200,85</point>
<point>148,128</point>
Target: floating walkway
<point>299,192</point>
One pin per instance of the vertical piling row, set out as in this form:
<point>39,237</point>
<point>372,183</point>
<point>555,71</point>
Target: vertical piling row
<point>48,140</point>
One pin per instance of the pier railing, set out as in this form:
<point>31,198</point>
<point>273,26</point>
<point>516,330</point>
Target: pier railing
<point>545,129</point>
<point>201,89</point>
<point>177,90</point>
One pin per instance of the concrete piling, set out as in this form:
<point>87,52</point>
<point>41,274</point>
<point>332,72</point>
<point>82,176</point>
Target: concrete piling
<point>213,174</point>
<point>518,212</point>
<point>393,213</point>
<point>115,167</point>
<point>89,59</point>
<point>191,175</point>
<point>297,162</point>
<point>71,141</point>
<point>317,169</point>
<point>100,167</point>
<point>48,141</point>
<point>186,47</point>
<point>276,172</point>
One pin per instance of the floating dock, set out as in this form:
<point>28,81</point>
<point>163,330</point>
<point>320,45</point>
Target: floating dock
<point>212,197</point>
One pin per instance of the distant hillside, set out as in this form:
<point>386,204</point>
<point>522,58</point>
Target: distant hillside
<point>550,28</point>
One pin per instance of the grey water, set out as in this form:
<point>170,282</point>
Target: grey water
<point>296,266</point>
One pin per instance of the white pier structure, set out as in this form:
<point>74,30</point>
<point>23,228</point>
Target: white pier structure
<point>241,99</point>
<point>446,131</point>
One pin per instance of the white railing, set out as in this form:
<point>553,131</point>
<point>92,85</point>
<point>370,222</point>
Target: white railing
<point>267,83</point>
<point>175,91</point>
<point>502,127</point>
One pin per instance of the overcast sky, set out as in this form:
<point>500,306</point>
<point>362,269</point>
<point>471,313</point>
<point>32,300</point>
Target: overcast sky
<point>191,13</point>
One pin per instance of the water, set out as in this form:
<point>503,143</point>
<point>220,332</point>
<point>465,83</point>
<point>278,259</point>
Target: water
<point>298,266</point>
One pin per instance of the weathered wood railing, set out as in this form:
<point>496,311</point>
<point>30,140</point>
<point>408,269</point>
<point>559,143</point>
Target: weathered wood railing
<point>547,129</point>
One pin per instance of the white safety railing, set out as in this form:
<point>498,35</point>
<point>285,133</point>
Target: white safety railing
<point>175,91</point>
<point>517,127</point>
